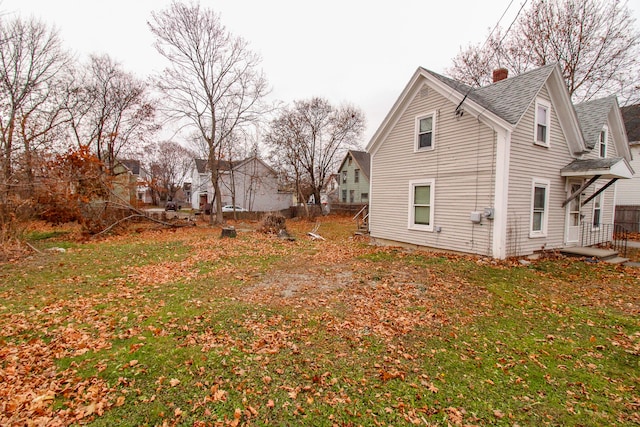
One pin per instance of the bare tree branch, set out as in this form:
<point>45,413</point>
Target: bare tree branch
<point>212,83</point>
<point>596,43</point>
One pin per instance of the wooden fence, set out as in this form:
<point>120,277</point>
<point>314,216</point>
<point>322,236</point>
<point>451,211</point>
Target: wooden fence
<point>628,217</point>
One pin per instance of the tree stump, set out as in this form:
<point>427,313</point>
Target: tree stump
<point>228,232</point>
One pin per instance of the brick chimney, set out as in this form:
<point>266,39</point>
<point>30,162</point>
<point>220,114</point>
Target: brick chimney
<point>500,74</point>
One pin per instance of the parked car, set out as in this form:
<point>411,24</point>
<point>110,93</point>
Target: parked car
<point>230,208</point>
<point>171,206</point>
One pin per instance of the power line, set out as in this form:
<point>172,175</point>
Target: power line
<point>458,108</point>
<point>498,23</point>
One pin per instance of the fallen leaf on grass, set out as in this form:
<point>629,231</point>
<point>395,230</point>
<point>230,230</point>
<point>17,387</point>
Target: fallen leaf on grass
<point>391,375</point>
<point>455,416</point>
<point>174,382</point>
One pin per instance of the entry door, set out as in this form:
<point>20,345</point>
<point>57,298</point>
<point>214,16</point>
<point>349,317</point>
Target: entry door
<point>573,214</point>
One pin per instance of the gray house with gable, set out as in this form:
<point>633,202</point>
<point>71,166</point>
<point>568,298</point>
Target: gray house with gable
<point>353,176</point>
<point>502,170</point>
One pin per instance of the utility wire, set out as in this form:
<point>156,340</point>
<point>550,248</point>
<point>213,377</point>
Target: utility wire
<point>457,110</point>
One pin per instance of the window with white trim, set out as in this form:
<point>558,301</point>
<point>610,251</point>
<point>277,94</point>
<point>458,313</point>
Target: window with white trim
<point>539,208</point>
<point>425,131</point>
<point>542,123</point>
<point>602,142</point>
<point>421,196</point>
<point>344,177</point>
<point>597,211</point>
<point>356,175</point>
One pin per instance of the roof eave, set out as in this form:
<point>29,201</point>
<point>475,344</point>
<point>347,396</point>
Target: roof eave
<point>477,111</point>
<point>619,170</point>
<point>567,116</point>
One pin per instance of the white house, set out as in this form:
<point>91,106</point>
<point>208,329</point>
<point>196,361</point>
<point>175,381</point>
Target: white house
<point>250,183</point>
<point>628,191</point>
<point>503,170</point>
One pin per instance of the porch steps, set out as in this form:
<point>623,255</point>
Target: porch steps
<point>597,254</point>
<point>363,230</point>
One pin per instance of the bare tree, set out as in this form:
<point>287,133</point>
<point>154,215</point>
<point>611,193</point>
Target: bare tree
<point>312,136</point>
<point>169,165</point>
<point>111,112</point>
<point>212,83</point>
<point>595,42</point>
<point>31,63</point>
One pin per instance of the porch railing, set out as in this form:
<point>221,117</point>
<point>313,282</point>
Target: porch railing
<point>609,235</point>
<point>362,219</point>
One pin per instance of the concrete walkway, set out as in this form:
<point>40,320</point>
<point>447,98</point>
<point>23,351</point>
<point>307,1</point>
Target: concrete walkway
<point>633,244</point>
<point>589,251</point>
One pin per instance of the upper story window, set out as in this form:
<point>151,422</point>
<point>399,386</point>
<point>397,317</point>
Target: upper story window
<point>356,175</point>
<point>602,143</point>
<point>344,177</point>
<point>542,123</point>
<point>349,160</point>
<point>425,127</point>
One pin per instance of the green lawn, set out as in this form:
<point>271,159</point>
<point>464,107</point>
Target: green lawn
<point>185,328</point>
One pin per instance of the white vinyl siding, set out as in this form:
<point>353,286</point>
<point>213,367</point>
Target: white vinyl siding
<point>628,190</point>
<point>463,172</point>
<point>528,163</point>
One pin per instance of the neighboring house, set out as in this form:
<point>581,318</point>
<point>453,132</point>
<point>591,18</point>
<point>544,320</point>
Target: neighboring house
<point>255,184</point>
<point>354,177</point>
<point>503,170</point>
<point>141,193</point>
<point>628,191</point>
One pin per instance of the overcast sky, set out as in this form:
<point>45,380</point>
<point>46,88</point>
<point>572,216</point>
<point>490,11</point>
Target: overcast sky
<point>361,52</point>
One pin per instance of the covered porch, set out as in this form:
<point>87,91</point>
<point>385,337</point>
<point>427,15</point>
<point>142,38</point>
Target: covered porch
<point>596,175</point>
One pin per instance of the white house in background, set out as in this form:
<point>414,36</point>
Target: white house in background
<point>628,191</point>
<point>502,170</point>
<point>253,182</point>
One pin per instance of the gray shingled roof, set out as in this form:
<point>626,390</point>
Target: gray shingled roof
<point>591,164</point>
<point>363,159</point>
<point>631,116</point>
<point>132,165</point>
<point>592,116</point>
<point>508,99</point>
<point>201,165</point>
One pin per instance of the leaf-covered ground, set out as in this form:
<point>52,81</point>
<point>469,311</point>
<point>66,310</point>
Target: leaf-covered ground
<point>186,328</point>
